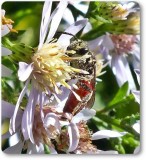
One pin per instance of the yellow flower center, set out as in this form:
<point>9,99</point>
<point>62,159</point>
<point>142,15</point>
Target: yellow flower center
<point>52,68</point>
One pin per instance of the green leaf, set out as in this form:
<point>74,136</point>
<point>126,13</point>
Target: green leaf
<point>124,102</point>
<point>20,51</point>
<point>130,120</point>
<point>122,92</point>
<point>115,122</point>
<point>12,36</point>
<point>6,61</point>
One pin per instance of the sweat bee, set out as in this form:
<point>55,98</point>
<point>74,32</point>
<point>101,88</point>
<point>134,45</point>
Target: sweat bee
<point>85,83</point>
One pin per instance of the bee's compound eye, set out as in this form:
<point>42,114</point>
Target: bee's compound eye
<point>82,51</point>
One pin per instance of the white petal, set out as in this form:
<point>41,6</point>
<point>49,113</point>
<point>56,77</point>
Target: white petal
<point>84,115</point>
<point>52,150</point>
<point>52,119</point>
<point>28,116</point>
<point>5,30</point>
<point>137,150</point>
<point>6,72</point>
<point>56,19</point>
<point>3,12</point>
<point>107,42</point>
<point>136,95</point>
<point>122,71</point>
<point>64,39</point>
<point>136,126</point>
<point>14,139</point>
<point>73,137</point>
<point>7,109</point>
<point>16,149</point>
<point>80,6</point>
<point>31,148</point>
<point>45,21</point>
<point>6,51</point>
<point>34,149</point>
<point>137,71</point>
<point>68,17</point>
<point>24,71</point>
<point>106,134</point>
<point>13,119</point>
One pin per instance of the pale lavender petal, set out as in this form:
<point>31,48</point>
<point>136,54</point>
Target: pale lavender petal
<point>45,22</point>
<point>107,134</point>
<point>6,51</point>
<point>14,139</point>
<point>16,149</point>
<point>136,127</point>
<point>137,71</point>
<point>137,150</point>
<point>84,115</point>
<point>3,12</point>
<point>24,71</point>
<point>80,6</point>
<point>107,42</point>
<point>5,30</point>
<point>7,109</point>
<point>68,17</point>
<point>52,119</point>
<point>34,149</point>
<point>94,44</point>
<point>13,119</point>
<point>52,150</point>
<point>40,148</point>
<point>102,44</point>
<point>122,71</point>
<point>56,19</point>
<point>136,95</point>
<point>46,29</point>
<point>64,96</point>
<point>28,116</point>
<point>6,72</point>
<point>6,135</point>
<point>64,39</point>
<point>73,137</point>
<point>31,148</point>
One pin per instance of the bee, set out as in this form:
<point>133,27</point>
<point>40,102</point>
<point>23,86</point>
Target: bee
<point>85,83</point>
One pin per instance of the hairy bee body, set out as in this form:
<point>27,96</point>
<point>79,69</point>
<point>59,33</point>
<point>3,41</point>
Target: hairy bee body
<point>85,83</point>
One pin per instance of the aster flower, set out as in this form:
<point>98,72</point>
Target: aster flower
<point>42,132</point>
<point>116,49</point>
<point>80,137</point>
<point>120,43</point>
<point>49,68</point>
<point>59,132</point>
